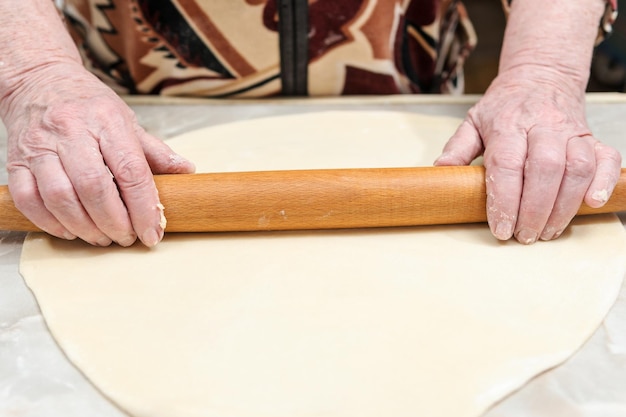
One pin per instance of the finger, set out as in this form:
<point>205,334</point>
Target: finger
<point>579,171</point>
<point>504,177</point>
<point>609,162</point>
<point>25,194</point>
<point>543,173</point>
<point>161,158</point>
<point>60,198</point>
<point>95,188</point>
<point>124,156</point>
<point>463,147</point>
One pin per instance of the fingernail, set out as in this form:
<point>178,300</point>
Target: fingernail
<point>69,236</point>
<point>504,230</point>
<point>127,241</point>
<point>552,233</point>
<point>151,237</point>
<point>547,234</point>
<point>601,196</point>
<point>526,236</point>
<point>180,161</point>
<point>104,241</point>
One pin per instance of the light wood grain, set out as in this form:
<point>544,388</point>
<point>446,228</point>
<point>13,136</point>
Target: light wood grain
<point>319,199</point>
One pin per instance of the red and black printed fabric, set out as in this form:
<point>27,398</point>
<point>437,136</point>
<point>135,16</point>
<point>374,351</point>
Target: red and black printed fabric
<point>261,48</point>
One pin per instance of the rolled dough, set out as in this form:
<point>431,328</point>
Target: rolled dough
<point>430,321</point>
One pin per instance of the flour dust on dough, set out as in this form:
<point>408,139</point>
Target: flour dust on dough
<point>432,321</point>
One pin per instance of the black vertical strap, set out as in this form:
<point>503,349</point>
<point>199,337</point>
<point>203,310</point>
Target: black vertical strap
<point>293,21</point>
<point>302,47</point>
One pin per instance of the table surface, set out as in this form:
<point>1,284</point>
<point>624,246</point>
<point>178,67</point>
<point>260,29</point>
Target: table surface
<point>36,379</point>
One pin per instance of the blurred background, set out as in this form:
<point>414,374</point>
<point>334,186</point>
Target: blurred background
<point>608,68</point>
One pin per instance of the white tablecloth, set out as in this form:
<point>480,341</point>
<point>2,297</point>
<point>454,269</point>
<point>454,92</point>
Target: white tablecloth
<point>37,380</point>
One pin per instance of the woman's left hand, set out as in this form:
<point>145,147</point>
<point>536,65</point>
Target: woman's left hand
<point>540,157</point>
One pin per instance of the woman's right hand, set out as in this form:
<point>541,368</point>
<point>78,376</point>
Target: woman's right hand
<point>79,164</point>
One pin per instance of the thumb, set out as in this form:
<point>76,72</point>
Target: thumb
<point>463,147</point>
<point>162,159</point>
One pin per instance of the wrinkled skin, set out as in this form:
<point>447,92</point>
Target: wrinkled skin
<point>541,159</point>
<point>79,164</point>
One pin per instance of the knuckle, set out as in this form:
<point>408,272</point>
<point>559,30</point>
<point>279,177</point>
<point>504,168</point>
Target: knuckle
<point>27,147</point>
<point>111,113</point>
<point>506,161</point>
<point>25,200</point>
<point>58,196</point>
<point>61,119</point>
<point>581,166</point>
<point>98,109</point>
<point>132,172</point>
<point>91,182</point>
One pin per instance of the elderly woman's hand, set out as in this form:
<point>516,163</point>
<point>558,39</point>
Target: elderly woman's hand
<point>79,164</point>
<point>540,157</point>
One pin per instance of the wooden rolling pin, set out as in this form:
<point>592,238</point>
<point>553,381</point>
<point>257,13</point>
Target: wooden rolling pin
<point>319,199</point>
